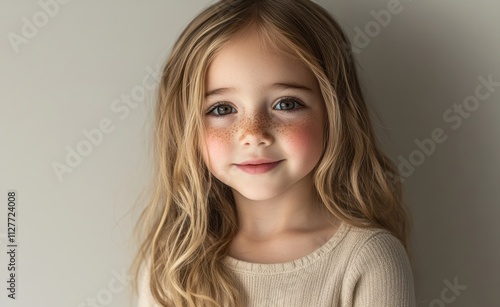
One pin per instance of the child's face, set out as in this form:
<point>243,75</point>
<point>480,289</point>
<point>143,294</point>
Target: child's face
<point>253,122</point>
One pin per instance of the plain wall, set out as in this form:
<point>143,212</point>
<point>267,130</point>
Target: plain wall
<point>90,65</point>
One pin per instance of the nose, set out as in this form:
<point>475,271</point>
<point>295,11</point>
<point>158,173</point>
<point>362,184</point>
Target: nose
<point>255,130</point>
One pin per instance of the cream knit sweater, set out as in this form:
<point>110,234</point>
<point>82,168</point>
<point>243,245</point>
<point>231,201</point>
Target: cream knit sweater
<point>355,267</point>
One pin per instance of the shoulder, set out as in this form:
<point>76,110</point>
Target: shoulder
<point>145,299</point>
<point>379,271</point>
<point>362,244</point>
<point>369,242</point>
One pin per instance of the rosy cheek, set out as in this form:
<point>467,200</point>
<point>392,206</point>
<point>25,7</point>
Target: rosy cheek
<point>218,143</point>
<point>305,136</point>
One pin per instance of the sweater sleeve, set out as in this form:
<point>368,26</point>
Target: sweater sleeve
<point>381,274</point>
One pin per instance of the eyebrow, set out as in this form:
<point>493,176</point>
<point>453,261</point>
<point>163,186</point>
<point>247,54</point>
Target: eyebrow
<point>287,85</point>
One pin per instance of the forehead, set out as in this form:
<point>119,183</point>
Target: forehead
<point>245,59</point>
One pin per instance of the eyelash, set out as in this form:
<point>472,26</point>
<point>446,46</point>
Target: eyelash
<point>293,99</point>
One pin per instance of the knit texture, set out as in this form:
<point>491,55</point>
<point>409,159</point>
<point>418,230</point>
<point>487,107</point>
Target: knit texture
<point>355,267</point>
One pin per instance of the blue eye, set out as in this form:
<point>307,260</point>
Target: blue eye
<point>220,109</point>
<point>288,104</point>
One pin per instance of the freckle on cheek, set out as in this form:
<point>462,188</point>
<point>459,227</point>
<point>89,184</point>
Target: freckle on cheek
<point>218,140</point>
<point>300,134</point>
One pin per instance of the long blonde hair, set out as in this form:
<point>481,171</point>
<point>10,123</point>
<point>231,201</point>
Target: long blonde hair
<point>191,217</point>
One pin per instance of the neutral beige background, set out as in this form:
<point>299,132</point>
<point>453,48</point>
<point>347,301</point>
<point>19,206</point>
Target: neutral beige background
<point>77,70</point>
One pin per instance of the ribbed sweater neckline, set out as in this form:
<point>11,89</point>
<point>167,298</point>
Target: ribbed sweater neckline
<point>273,268</point>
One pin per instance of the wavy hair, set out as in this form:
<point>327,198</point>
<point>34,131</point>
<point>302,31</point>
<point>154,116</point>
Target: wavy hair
<point>190,219</point>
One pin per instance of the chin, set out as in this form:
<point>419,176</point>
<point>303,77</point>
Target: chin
<point>258,193</point>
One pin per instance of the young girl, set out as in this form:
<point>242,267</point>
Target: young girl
<point>270,188</point>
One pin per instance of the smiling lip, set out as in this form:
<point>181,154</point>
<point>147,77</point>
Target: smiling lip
<point>261,166</point>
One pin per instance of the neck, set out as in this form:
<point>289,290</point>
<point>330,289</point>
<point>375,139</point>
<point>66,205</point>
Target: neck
<point>296,209</point>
